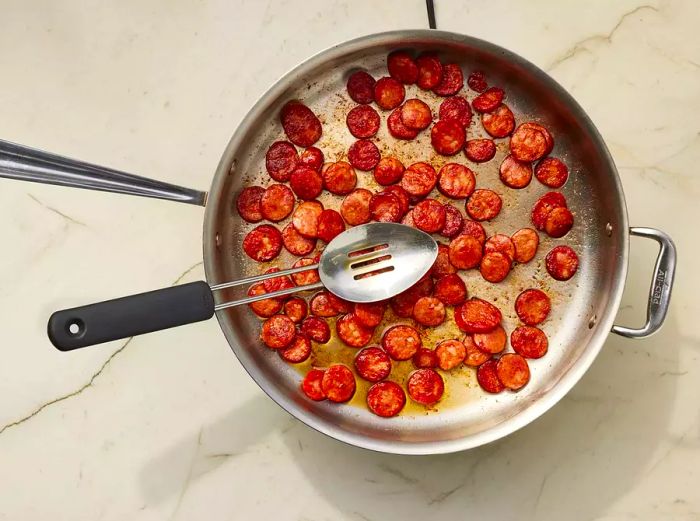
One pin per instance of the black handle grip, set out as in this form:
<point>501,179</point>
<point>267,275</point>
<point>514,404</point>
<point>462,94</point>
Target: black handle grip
<point>130,316</point>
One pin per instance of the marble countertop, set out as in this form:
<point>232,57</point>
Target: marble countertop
<point>169,425</point>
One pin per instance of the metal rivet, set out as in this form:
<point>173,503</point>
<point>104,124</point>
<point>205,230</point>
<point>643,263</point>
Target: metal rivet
<point>608,229</point>
<point>217,239</point>
<point>592,321</point>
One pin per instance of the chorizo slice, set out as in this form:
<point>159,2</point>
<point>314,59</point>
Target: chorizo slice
<point>388,93</point>
<point>451,290</point>
<point>561,262</point>
<point>316,329</point>
<point>277,332</point>
<point>442,265</point>
<point>475,356</point>
<point>408,219</point>
<point>552,172</point>
<point>474,229</point>
<point>355,207</point>
<point>402,67</point>
<point>323,305</point>
<point>363,155</point>
<point>483,205</point>
<point>451,82</point>
<point>401,342</point>
<point>544,205</point>
<point>559,222</point>
<point>480,150</point>
<point>372,364</point>
<point>248,203</point>
<point>477,316</point>
<point>369,314</point>
<point>304,278</point>
<point>488,100</point>
<point>532,306</point>
<point>311,385</point>
<point>529,342</point>
<point>429,71</point>
<point>416,114</point>
<point>338,383</point>
<point>277,283</point>
<point>312,157</point>
<point>429,311</point>
<point>403,303</point>
<point>514,173</point>
<point>263,243</point>
<point>501,243</point>
<point>300,124</point>
<point>360,87</point>
<point>306,182</point>
<point>454,222</point>
<point>396,127</point>
<point>526,242</point>
<point>513,372</point>
<point>456,181</point>
<point>429,215</point>
<point>305,218</point>
<point>263,308</point>
<point>539,128</point>
<point>477,81</point>
<point>500,122</point>
<point>457,109</point>
<point>447,137</point>
<point>419,179</point>
<point>528,144</point>
<point>450,354</point>
<point>296,309</point>
<point>386,399</point>
<point>425,386</point>
<point>465,252</point>
<point>492,342</point>
<point>363,121</point>
<point>425,358</point>
<point>401,195</point>
<point>352,332</point>
<point>342,305</point>
<point>385,207</point>
<point>280,160</point>
<point>297,351</point>
<point>487,377</point>
<point>495,266</point>
<point>340,178</point>
<point>295,243</point>
<point>388,171</point>
<point>330,224</point>
<point>276,203</point>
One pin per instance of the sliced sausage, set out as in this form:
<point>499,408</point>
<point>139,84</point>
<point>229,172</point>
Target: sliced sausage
<point>408,219</point>
<point>360,87</point>
<point>277,283</point>
<point>515,174</point>
<point>465,252</point>
<point>495,266</point>
<point>276,203</point>
<point>281,160</point>
<point>525,242</point>
<point>304,278</point>
<point>512,370</point>
<point>300,124</point>
<point>429,71</point>
<point>338,383</point>
<point>298,350</point>
<point>296,309</point>
<point>487,377</point>
<point>501,243</point>
<point>263,243</point>
<point>352,332</point>
<point>530,125</point>
<point>425,357</point>
<point>475,357</point>
<point>340,178</point>
<point>442,265</point>
<point>477,316</point>
<point>388,93</point>
<point>313,158</point>
<point>552,172</point>
<point>451,290</point>
<point>532,306</point>
<point>450,354</point>
<point>419,179</point>
<point>330,224</point>
<point>306,182</point>
<point>385,207</point>
<point>372,364</point>
<point>277,332</point>
<point>559,221</point>
<point>457,109</point>
<point>369,314</point>
<point>401,195</point>
<point>528,144</point>
<point>544,205</point>
<point>480,150</point>
<point>311,385</point>
<point>403,303</point>
<point>388,171</point>
<point>342,305</point>
<point>322,305</point>
<point>447,137</point>
<point>363,155</point>
<point>355,207</point>
<point>456,181</point>
<point>401,342</point>
<point>402,67</point>
<point>429,216</point>
<point>305,218</point>
<point>416,114</point>
<point>529,342</point>
<point>492,342</point>
<point>397,128</point>
<point>561,262</point>
<point>425,386</point>
<point>500,122</point>
<point>477,81</point>
<point>429,311</point>
<point>363,121</point>
<point>263,308</point>
<point>386,399</point>
<point>316,329</point>
<point>248,203</point>
<point>488,100</point>
<point>483,205</point>
<point>454,222</point>
<point>474,229</point>
<point>295,243</point>
<point>451,82</point>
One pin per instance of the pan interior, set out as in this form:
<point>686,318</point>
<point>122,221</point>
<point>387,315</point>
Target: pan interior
<point>582,308</point>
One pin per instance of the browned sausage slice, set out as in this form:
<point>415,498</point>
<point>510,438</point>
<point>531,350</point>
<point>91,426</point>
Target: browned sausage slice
<point>248,203</point>
<point>300,124</point>
<point>487,377</point>
<point>483,205</point>
<point>373,364</point>
<point>562,263</point>
<point>495,266</point>
<point>363,121</point>
<point>552,172</point>
<point>456,181</point>
<point>311,385</point>
<point>306,182</point>
<point>388,93</point>
<point>457,109</point>
<point>492,342</point>
<point>281,160</point>
<point>419,179</point>
<point>401,342</point>
<point>451,290</point>
<point>277,202</point>
<point>429,311</point>
<point>402,67</point>
<point>352,332</point>
<point>529,341</point>
<point>513,371</point>
<point>388,171</point>
<point>425,358</point>
<point>338,383</point>
<point>500,122</point>
<point>298,351</point>
<point>480,150</point>
<point>429,71</point>
<point>532,306</point>
<point>316,329</point>
<point>425,386</point>
<point>452,80</point>
<point>277,332</point>
<point>361,87</point>
<point>514,173</point>
<point>296,243</point>
<point>355,207</point>
<point>447,137</point>
<point>386,399</point>
<point>477,316</point>
<point>450,354</point>
<point>263,243</point>
<point>465,252</point>
<point>305,218</point>
<point>526,242</point>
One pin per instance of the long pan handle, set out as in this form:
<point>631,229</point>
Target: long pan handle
<point>29,164</point>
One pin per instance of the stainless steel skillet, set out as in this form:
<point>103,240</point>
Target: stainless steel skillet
<point>583,308</point>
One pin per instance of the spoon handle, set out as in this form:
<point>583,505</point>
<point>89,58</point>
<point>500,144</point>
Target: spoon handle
<point>264,276</point>
<point>274,294</point>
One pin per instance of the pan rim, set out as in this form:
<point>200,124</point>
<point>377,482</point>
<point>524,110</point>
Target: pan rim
<point>544,402</point>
